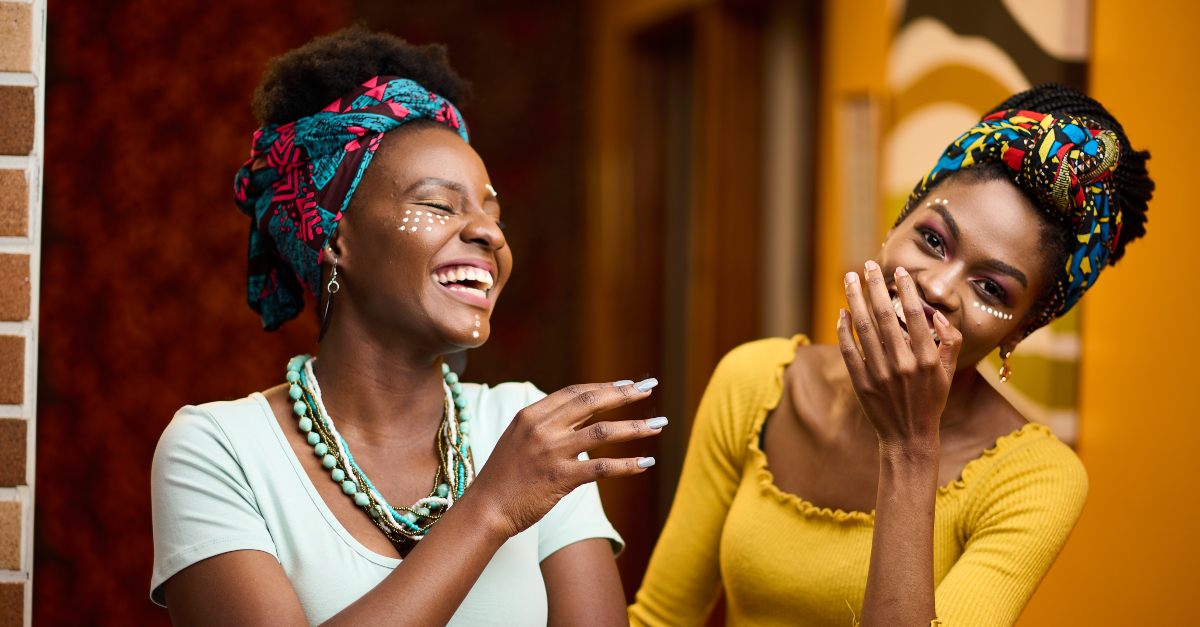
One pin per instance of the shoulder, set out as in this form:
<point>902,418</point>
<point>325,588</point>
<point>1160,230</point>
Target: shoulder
<point>754,366</point>
<point>1032,466</point>
<point>208,431</point>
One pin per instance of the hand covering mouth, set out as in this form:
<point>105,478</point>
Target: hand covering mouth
<point>463,278</point>
<point>898,307</point>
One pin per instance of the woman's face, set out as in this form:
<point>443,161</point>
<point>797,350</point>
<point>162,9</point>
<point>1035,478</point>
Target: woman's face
<point>420,252</point>
<point>975,250</point>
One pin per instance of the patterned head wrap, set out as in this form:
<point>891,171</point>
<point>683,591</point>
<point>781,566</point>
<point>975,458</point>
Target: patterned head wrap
<point>312,167</point>
<point>1066,163</point>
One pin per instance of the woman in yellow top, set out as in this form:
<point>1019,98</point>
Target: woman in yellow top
<point>885,481</point>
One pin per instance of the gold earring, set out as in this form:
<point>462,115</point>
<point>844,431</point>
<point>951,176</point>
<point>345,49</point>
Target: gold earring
<point>1005,371</point>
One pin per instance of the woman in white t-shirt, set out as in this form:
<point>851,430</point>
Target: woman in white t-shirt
<point>347,495</point>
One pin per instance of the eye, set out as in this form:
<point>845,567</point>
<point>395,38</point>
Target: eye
<point>932,240</point>
<point>437,205</point>
<point>991,289</point>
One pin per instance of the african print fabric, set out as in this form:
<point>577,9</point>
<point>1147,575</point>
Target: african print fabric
<point>1066,164</point>
<point>300,178</point>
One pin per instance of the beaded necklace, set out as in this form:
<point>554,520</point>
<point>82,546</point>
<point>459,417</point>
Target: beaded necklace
<point>404,526</point>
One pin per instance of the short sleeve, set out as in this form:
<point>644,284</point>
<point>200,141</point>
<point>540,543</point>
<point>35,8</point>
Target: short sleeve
<point>202,504</point>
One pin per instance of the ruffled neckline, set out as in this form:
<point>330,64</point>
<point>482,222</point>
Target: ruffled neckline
<point>766,479</point>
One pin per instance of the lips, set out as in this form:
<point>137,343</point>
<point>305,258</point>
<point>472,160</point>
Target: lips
<point>898,307</point>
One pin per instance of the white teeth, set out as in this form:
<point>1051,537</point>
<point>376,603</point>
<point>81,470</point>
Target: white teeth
<point>470,274</point>
<point>462,274</point>
<point>487,277</point>
<point>899,309</point>
<point>450,276</point>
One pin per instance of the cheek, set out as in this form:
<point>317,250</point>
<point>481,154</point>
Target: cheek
<point>414,222</point>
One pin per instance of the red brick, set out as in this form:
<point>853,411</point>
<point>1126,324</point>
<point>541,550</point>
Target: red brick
<point>16,36</point>
<point>12,370</point>
<point>17,119</point>
<point>14,287</point>
<point>13,432</point>
<point>12,604</point>
<point>14,204</point>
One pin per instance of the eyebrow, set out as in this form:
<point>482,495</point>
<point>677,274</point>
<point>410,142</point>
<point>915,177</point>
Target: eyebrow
<point>992,264</point>
<point>446,183</point>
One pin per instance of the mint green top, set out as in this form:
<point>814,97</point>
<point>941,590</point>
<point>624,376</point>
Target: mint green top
<point>225,479</point>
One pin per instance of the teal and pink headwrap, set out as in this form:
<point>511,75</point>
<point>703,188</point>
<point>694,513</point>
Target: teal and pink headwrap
<point>312,167</point>
<point>1066,164</point>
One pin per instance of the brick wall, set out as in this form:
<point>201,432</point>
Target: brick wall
<point>22,64</point>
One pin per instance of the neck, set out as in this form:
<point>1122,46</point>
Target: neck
<point>378,390</point>
<point>964,392</point>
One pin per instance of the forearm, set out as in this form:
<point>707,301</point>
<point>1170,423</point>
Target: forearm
<point>900,590</point>
<point>429,585</point>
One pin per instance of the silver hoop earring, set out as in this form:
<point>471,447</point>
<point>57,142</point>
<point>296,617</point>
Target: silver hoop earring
<point>332,287</point>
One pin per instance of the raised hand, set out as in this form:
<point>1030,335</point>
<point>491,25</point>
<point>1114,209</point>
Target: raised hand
<point>536,462</point>
<point>901,384</point>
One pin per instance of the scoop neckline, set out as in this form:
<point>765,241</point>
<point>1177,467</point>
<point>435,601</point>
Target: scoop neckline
<point>766,478</point>
<point>311,488</point>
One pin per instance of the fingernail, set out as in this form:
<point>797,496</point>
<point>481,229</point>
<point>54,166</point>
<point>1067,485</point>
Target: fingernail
<point>618,384</point>
<point>842,313</point>
<point>901,272</point>
<point>851,277</point>
<point>942,319</point>
<point>656,423</point>
<point>646,384</point>
<point>871,265</point>
<point>645,462</point>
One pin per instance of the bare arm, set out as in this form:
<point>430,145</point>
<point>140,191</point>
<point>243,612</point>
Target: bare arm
<point>534,465</point>
<point>583,586</point>
<point>902,386</point>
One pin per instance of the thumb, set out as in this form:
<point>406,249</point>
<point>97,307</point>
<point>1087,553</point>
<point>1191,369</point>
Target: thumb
<point>951,342</point>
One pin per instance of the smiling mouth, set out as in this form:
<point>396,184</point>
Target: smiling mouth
<point>898,307</point>
<point>466,279</point>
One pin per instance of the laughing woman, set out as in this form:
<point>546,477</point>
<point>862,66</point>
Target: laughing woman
<point>888,481</point>
<point>354,501</point>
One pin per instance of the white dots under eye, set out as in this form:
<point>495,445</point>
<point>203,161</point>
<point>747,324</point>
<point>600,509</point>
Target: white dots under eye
<point>431,220</point>
<point>418,213</point>
<point>405,220</point>
<point>429,228</point>
<point>474,333</point>
<point>401,228</point>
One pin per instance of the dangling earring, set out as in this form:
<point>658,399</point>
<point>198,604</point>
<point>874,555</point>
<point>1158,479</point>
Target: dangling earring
<point>1005,372</point>
<point>332,288</point>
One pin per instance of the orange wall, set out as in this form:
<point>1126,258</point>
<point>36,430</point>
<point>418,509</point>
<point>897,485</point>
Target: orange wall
<point>1134,556</point>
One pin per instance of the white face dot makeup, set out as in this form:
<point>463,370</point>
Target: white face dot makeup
<point>474,333</point>
<point>999,314</point>
<point>401,228</point>
<point>492,190</point>
<point>429,228</point>
<point>404,220</point>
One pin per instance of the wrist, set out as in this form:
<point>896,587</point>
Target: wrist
<point>916,454</point>
<point>483,517</point>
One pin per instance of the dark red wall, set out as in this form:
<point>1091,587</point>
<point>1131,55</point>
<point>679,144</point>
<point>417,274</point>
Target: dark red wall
<point>143,280</point>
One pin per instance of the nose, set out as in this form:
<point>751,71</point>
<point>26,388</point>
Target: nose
<point>482,230</point>
<point>937,286</point>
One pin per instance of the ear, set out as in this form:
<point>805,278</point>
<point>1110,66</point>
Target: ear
<point>1008,346</point>
<point>332,250</point>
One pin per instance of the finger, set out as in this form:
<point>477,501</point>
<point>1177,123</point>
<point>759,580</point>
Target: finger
<point>860,317</point>
<point>919,334</point>
<point>885,316</point>
<point>850,351</point>
<point>605,432</point>
<point>951,343</point>
<point>581,404</point>
<point>591,470</point>
<point>578,392</point>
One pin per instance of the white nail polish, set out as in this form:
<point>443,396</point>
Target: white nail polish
<point>656,423</point>
<point>645,462</point>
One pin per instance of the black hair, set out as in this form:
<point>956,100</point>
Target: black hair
<point>305,80</point>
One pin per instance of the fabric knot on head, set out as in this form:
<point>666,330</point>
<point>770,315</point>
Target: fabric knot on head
<point>1066,164</point>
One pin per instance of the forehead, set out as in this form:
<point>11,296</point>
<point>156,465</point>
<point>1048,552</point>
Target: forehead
<point>994,219</point>
<point>407,156</point>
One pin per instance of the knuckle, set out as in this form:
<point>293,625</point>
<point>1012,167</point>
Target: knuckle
<point>874,279</point>
<point>601,431</point>
<point>574,390</point>
<point>604,468</point>
<point>586,399</point>
<point>863,325</point>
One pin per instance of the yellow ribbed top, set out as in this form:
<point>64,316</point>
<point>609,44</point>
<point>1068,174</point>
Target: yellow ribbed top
<point>784,561</point>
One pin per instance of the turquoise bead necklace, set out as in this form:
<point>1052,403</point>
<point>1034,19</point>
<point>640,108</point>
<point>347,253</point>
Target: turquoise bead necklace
<point>405,525</point>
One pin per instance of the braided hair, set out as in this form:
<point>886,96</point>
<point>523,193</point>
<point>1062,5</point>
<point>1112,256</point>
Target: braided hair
<point>1133,185</point>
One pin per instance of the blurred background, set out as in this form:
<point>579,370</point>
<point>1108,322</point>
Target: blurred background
<point>679,177</point>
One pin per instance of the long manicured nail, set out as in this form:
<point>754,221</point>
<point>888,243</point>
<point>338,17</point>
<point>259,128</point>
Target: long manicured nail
<point>645,385</point>
<point>942,319</point>
<point>851,277</point>
<point>871,265</point>
<point>645,462</point>
<point>901,272</point>
<point>656,423</point>
<point>618,384</point>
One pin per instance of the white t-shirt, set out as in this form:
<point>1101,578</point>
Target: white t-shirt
<point>225,479</point>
